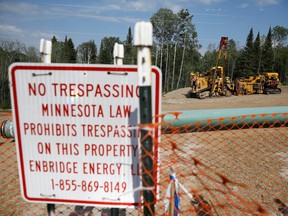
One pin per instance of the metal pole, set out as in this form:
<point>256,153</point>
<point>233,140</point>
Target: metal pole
<point>51,209</point>
<point>45,51</point>
<point>114,211</point>
<point>143,42</point>
<point>118,54</point>
<point>172,198</point>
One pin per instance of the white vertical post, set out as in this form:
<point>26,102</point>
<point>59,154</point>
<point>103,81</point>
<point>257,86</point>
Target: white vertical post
<point>143,42</point>
<point>118,54</point>
<point>45,51</point>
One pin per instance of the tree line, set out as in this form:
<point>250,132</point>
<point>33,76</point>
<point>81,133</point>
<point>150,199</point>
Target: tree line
<point>176,51</point>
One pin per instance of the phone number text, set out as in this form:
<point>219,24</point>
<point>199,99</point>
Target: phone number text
<point>88,186</point>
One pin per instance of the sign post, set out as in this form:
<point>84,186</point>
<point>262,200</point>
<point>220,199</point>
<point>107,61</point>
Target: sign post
<point>118,54</point>
<point>143,42</point>
<point>76,132</point>
<point>45,52</point>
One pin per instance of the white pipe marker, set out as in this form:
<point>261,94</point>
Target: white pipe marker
<point>118,54</point>
<point>45,51</point>
<point>143,41</point>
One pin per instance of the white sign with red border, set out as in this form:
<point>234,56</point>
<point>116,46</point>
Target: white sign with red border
<point>76,132</point>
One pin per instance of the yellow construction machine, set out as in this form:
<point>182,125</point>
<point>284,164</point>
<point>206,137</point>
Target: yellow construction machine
<point>272,83</point>
<point>249,85</point>
<point>214,82</point>
<point>205,85</point>
<point>268,83</point>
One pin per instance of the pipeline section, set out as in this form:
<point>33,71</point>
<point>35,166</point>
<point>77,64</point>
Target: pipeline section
<point>7,129</point>
<point>224,119</point>
<point>207,120</point>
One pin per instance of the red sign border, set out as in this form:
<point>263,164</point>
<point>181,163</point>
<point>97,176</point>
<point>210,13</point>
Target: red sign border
<point>89,68</point>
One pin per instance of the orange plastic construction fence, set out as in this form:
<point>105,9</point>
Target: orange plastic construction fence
<point>228,170</point>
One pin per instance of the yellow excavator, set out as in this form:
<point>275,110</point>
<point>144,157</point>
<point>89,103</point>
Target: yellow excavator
<point>213,82</point>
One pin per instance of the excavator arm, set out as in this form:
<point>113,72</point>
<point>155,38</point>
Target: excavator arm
<point>222,49</point>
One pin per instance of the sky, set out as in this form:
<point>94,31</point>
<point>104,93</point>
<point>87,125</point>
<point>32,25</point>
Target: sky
<point>28,21</point>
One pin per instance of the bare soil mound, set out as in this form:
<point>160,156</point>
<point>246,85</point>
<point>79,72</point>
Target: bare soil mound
<point>177,100</point>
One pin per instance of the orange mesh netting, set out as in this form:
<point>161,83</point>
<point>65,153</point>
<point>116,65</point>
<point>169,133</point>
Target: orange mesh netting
<point>223,169</point>
<point>229,166</point>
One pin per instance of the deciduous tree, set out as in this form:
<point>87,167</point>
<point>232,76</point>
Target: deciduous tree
<point>87,52</point>
<point>10,52</point>
<point>279,36</point>
<point>176,38</point>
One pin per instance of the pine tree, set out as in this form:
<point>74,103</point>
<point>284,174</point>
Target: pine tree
<point>245,64</point>
<point>64,51</point>
<point>281,64</point>
<point>72,54</point>
<point>69,54</point>
<point>248,54</point>
<point>54,40</point>
<point>57,46</point>
<point>257,54</point>
<point>279,40</point>
<point>130,56</point>
<point>106,50</point>
<point>267,53</point>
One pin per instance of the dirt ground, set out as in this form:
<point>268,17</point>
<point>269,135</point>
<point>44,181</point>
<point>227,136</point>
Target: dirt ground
<point>176,100</point>
<point>223,147</point>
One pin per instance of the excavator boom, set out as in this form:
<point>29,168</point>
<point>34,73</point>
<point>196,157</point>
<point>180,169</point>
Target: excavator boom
<point>222,48</point>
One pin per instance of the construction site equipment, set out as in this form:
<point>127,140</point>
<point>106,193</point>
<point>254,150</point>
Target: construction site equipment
<point>267,83</point>
<point>214,82</point>
<point>250,85</point>
<point>205,85</point>
<point>272,83</point>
